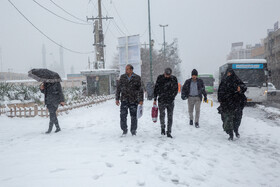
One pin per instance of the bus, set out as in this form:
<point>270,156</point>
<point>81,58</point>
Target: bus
<point>208,80</point>
<point>254,73</point>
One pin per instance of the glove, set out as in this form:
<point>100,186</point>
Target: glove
<point>205,99</point>
<point>183,97</point>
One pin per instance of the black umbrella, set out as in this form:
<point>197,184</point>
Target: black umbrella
<point>44,75</point>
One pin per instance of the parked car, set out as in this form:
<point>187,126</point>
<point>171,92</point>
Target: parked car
<point>216,87</point>
<point>271,87</point>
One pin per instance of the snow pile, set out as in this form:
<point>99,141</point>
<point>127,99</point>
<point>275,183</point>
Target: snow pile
<point>11,93</point>
<point>270,111</point>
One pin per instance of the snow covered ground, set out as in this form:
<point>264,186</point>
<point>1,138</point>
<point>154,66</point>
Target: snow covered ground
<point>90,151</point>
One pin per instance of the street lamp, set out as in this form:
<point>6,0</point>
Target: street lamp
<point>163,27</point>
<point>150,43</point>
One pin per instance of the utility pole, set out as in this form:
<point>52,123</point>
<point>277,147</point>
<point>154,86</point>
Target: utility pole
<point>62,72</point>
<point>145,45</point>
<point>44,61</point>
<point>164,44</point>
<point>99,37</point>
<point>150,43</point>
<point>1,62</point>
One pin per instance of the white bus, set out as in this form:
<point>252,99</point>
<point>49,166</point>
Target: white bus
<point>254,73</point>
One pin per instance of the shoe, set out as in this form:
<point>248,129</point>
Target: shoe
<point>57,130</point>
<point>237,134</point>
<point>133,133</point>
<point>162,131</point>
<point>124,133</point>
<point>191,122</point>
<point>169,135</point>
<point>230,136</point>
<point>196,125</point>
<point>50,129</point>
<point>48,132</point>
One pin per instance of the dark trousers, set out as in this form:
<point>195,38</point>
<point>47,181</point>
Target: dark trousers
<point>53,118</point>
<point>232,120</point>
<point>170,108</point>
<point>237,120</point>
<point>133,114</point>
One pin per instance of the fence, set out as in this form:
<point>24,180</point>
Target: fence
<point>32,109</point>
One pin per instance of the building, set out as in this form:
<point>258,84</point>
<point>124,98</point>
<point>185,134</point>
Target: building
<point>249,52</point>
<point>238,52</point>
<point>272,55</point>
<point>258,52</point>
<point>6,76</point>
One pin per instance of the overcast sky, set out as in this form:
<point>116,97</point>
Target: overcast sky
<point>205,29</point>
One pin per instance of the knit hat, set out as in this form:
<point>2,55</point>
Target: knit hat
<point>168,71</point>
<point>194,72</point>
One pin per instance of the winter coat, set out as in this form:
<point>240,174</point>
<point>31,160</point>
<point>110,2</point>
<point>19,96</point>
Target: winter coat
<point>230,99</point>
<point>130,90</point>
<point>166,89</point>
<point>200,86</point>
<point>53,93</point>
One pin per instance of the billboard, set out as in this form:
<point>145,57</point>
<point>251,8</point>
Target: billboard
<point>129,53</point>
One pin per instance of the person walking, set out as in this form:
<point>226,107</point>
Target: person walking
<point>166,89</point>
<point>130,94</point>
<point>193,89</point>
<point>53,97</point>
<point>232,102</point>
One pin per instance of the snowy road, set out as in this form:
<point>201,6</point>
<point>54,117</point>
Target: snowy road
<point>90,152</point>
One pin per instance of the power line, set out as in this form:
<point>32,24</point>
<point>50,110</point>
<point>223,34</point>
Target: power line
<point>59,15</point>
<point>67,12</point>
<point>73,51</point>
<point>115,23</point>
<point>142,35</point>
<point>120,17</point>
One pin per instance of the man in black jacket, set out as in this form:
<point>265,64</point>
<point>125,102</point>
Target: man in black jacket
<point>166,89</point>
<point>53,97</point>
<point>130,92</point>
<point>231,95</point>
<point>193,89</point>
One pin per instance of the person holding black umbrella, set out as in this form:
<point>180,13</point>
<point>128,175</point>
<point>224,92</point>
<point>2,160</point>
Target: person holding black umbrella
<point>51,87</point>
<point>53,97</point>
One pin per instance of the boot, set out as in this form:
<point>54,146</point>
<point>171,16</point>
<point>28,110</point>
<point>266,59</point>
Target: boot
<point>237,133</point>
<point>169,135</point>
<point>162,131</point>
<point>230,135</point>
<point>196,125</point>
<point>50,128</point>
<point>191,122</point>
<point>133,133</point>
<point>124,133</point>
<point>57,128</point>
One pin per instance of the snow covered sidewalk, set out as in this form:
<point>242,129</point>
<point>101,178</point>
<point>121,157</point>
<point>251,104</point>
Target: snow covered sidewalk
<point>91,152</point>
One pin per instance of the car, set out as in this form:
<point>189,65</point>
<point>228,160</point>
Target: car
<point>271,87</point>
<point>216,87</point>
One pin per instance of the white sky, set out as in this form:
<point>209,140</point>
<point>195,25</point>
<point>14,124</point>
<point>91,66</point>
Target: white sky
<point>205,29</point>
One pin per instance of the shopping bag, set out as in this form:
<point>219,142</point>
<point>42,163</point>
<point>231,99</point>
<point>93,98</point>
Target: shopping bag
<point>139,111</point>
<point>155,113</point>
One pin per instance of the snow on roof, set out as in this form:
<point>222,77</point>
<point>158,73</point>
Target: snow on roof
<point>237,61</point>
<point>19,81</point>
<point>99,71</point>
